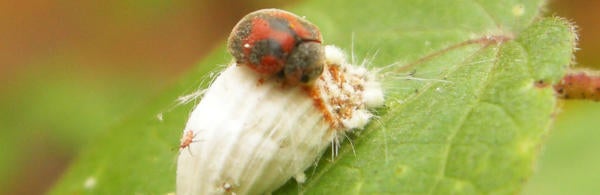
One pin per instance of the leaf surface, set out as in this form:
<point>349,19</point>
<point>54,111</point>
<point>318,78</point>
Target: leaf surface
<point>467,103</point>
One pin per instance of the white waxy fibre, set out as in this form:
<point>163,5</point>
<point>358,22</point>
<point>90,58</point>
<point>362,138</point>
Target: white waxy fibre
<point>255,135</point>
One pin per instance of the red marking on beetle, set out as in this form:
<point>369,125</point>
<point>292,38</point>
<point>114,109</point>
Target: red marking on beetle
<point>261,30</point>
<point>269,64</point>
<point>296,26</point>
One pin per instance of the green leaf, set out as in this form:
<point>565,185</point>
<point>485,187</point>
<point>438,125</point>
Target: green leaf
<point>468,103</point>
<point>573,142</point>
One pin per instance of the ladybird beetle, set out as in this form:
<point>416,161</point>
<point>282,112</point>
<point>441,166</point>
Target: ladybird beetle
<point>274,42</point>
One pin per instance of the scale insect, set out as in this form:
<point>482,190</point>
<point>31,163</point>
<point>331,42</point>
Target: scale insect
<point>256,135</point>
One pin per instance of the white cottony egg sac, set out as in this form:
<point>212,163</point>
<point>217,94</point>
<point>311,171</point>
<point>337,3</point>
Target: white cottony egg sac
<point>251,135</point>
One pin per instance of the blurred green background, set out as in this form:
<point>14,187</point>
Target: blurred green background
<point>70,69</point>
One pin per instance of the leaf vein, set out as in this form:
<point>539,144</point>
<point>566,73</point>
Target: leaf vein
<point>446,152</point>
